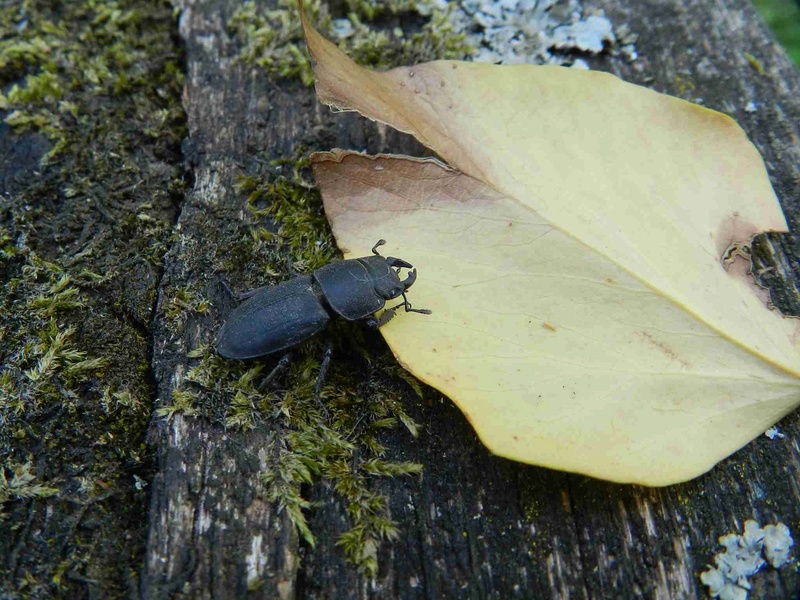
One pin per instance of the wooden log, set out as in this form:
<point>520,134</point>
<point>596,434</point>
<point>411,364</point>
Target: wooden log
<point>474,525</point>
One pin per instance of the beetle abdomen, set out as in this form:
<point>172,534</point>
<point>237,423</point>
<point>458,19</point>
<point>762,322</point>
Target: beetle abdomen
<point>273,319</point>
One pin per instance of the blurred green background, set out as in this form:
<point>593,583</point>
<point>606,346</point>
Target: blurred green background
<point>783,16</point>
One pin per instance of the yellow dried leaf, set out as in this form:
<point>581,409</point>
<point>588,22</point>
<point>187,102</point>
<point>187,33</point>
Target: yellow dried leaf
<point>583,316</point>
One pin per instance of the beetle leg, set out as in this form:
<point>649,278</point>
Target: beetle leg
<point>290,267</point>
<point>390,313</point>
<point>239,297</point>
<point>387,316</point>
<point>375,247</point>
<point>281,366</point>
<point>323,368</point>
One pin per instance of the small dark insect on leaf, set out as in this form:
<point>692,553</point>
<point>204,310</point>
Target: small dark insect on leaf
<point>275,318</point>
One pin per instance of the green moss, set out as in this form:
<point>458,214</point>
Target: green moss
<point>182,402</point>
<point>22,484</point>
<point>273,39</point>
<point>183,304</point>
<point>42,362</point>
<point>295,206</point>
<point>58,392</point>
<point>683,86</point>
<point>381,49</point>
<point>81,237</point>
<point>755,63</point>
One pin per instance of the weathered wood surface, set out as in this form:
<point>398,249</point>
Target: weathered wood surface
<point>96,219</point>
<point>473,525</point>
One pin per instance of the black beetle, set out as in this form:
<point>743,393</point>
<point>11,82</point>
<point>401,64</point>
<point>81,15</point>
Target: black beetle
<point>275,318</point>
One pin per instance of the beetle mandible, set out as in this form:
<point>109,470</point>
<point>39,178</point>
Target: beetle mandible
<point>278,317</point>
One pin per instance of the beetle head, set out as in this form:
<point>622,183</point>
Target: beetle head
<point>392,286</point>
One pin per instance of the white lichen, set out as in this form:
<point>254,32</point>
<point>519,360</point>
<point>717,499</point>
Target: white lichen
<point>744,556</point>
<point>588,35</point>
<point>778,543</point>
<point>538,32</point>
<point>774,433</point>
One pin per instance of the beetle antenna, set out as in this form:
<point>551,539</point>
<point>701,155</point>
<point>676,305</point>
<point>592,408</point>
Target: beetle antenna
<point>375,247</point>
<point>407,305</point>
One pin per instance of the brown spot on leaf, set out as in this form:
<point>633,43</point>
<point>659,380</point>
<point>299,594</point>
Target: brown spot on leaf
<point>733,230</point>
<point>549,326</point>
<point>665,348</point>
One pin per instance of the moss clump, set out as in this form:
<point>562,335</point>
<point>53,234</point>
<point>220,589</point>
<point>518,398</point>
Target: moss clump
<point>22,484</point>
<point>98,83</point>
<point>372,32</point>
<point>184,303</point>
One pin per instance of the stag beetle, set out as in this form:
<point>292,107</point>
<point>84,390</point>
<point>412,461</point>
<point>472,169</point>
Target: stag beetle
<point>275,318</point>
